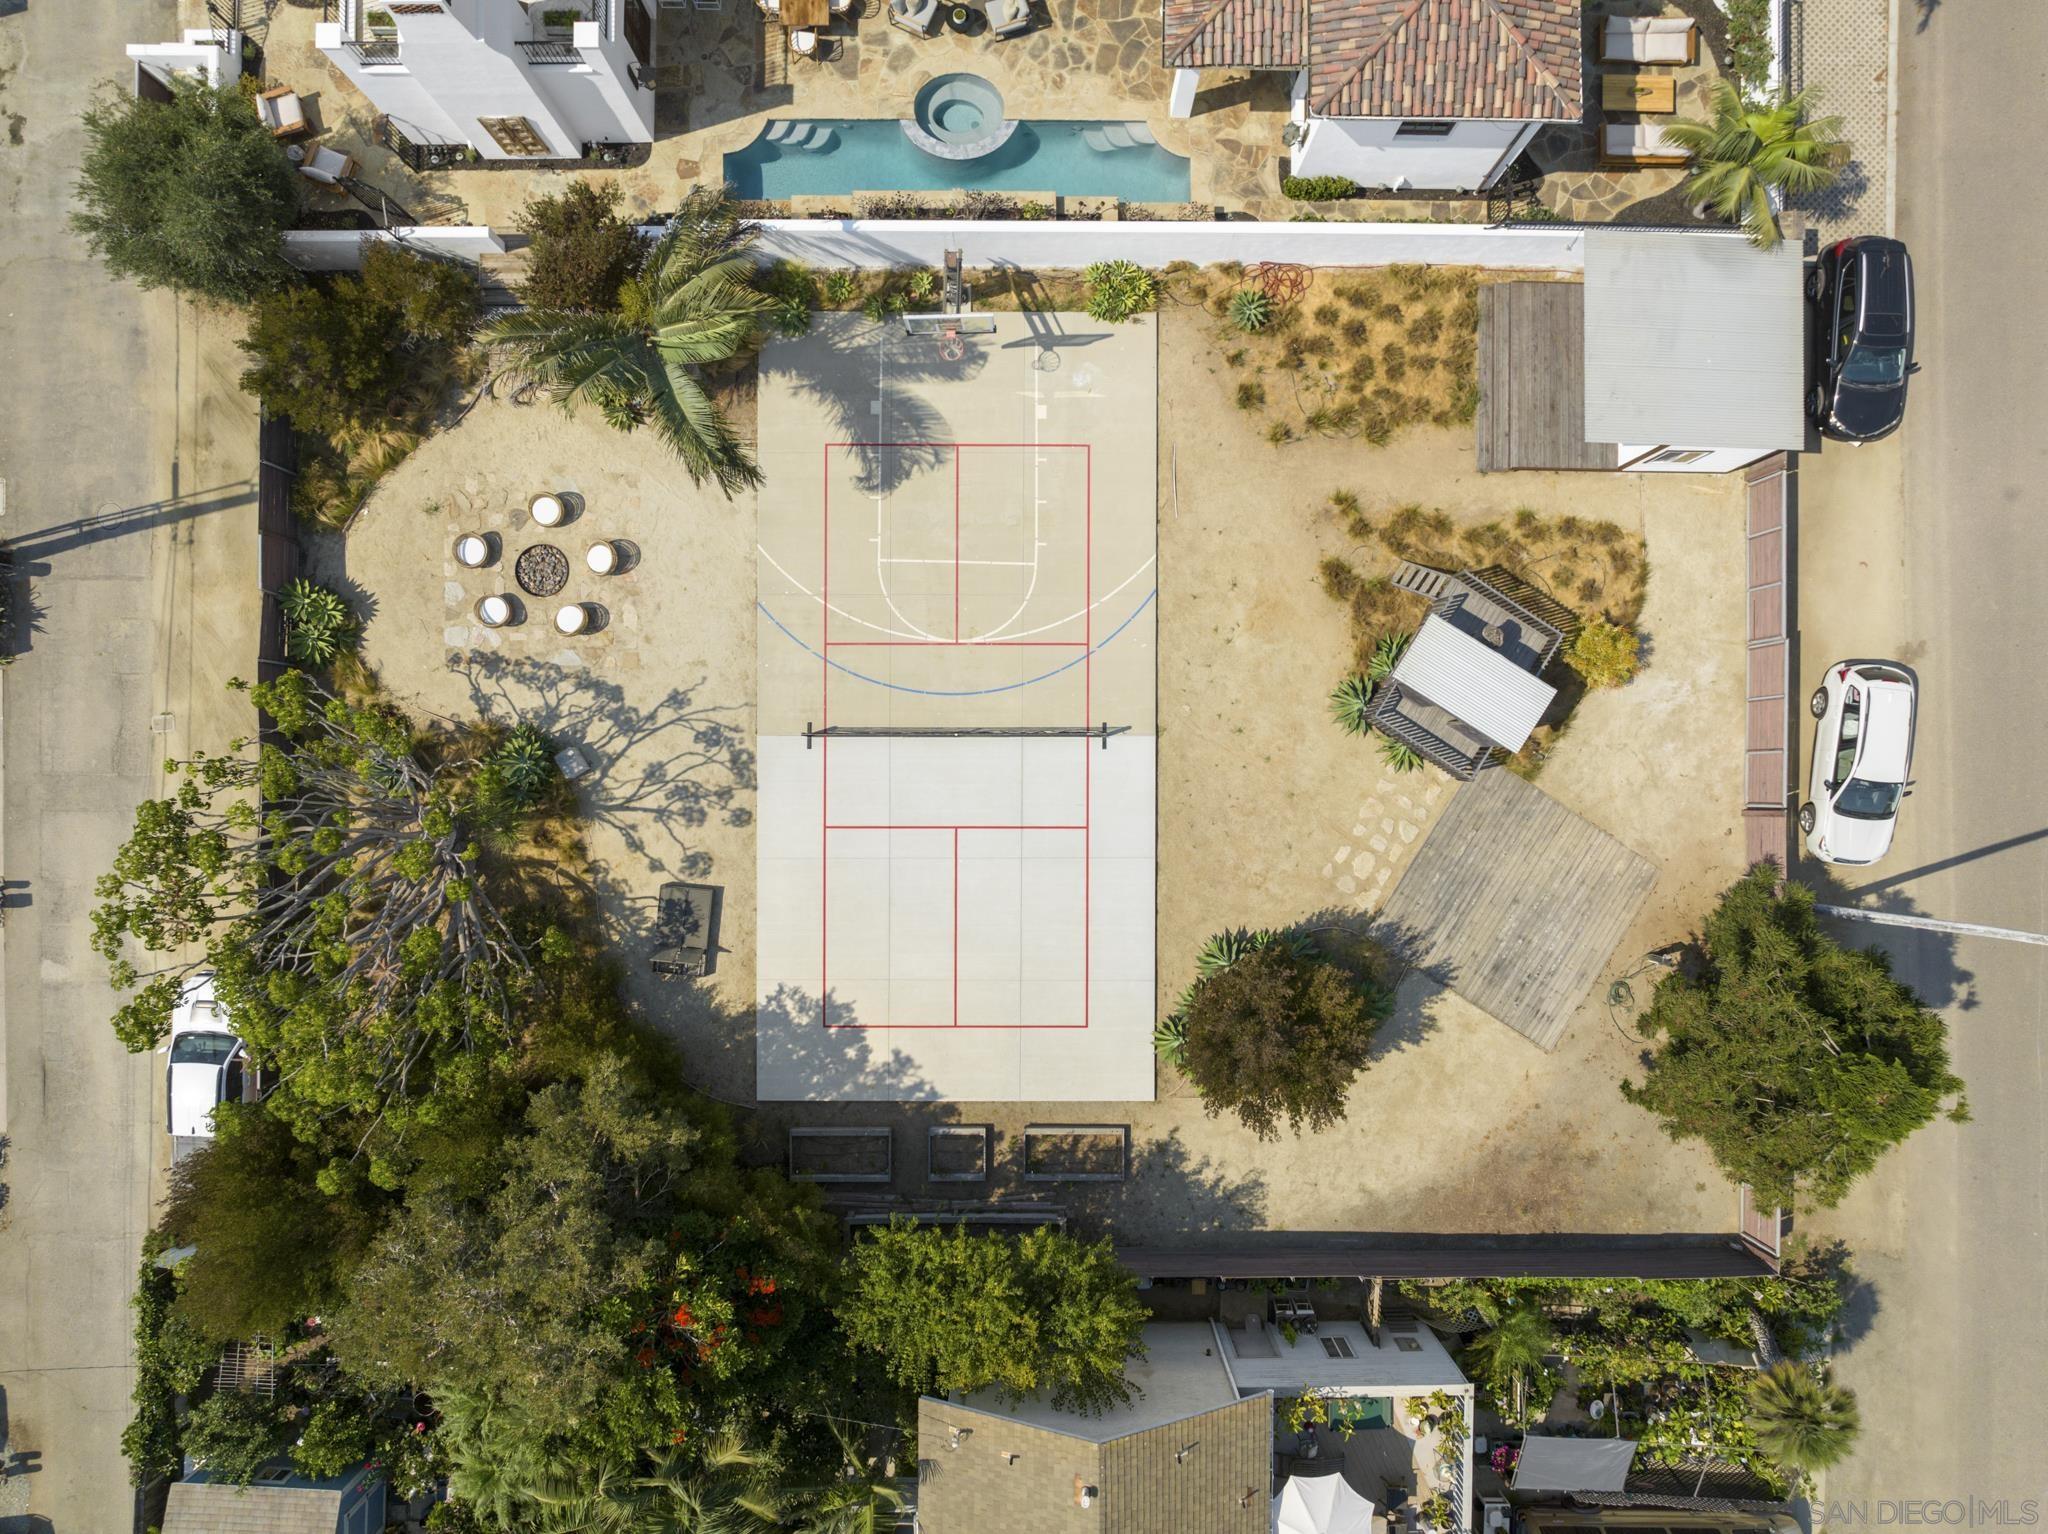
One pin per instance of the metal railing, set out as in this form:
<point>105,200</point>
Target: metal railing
<point>376,50</point>
<point>551,51</point>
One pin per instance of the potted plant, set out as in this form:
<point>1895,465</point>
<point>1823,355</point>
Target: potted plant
<point>380,23</point>
<point>560,23</point>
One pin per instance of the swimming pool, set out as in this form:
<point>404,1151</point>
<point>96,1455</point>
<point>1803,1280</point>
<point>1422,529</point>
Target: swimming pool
<point>870,154</point>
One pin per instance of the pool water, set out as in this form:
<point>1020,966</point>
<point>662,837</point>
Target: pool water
<point>1076,159</point>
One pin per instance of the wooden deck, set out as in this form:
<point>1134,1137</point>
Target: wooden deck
<point>1517,904</point>
<point>1532,379</point>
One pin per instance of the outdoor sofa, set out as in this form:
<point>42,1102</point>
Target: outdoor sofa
<point>281,112</point>
<point>1632,145</point>
<point>328,166</point>
<point>1650,40</point>
<point>1006,18</point>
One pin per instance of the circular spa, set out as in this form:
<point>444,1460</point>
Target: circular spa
<point>958,117</point>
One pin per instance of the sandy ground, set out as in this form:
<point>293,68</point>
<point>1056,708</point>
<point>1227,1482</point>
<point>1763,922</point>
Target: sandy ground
<point>1268,814</point>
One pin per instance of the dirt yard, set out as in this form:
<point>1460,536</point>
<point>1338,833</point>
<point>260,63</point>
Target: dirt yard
<point>1268,813</point>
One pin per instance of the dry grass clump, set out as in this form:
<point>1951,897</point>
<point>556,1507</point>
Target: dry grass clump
<point>1360,355</point>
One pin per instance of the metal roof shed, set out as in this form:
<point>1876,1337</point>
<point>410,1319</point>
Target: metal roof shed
<point>1696,340</point>
<point>1472,680</point>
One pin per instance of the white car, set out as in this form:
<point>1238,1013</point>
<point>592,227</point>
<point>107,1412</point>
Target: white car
<point>1862,760</point>
<point>208,1064</point>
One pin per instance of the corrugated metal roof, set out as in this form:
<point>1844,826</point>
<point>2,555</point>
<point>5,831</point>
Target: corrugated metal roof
<point>1474,681</point>
<point>1694,340</point>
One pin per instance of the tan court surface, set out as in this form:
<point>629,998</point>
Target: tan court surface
<point>958,702</point>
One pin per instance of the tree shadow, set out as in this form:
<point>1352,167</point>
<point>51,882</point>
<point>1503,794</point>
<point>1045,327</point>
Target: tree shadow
<point>1170,1191</point>
<point>658,770</point>
<point>849,364</point>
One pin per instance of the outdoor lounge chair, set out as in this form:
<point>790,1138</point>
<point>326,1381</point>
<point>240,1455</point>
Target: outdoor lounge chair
<point>328,166</point>
<point>1006,18</point>
<point>916,17</point>
<point>281,112</point>
<point>1650,40</point>
<point>1625,146</point>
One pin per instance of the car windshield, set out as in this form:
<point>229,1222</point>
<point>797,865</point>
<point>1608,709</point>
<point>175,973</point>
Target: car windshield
<point>202,1048</point>
<point>1874,367</point>
<point>1862,800</point>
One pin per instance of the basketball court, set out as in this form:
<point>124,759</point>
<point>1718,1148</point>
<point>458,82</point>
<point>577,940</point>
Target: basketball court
<point>957,712</point>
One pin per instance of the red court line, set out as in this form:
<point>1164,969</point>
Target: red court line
<point>957,644</point>
<point>827,643</point>
<point>838,826</point>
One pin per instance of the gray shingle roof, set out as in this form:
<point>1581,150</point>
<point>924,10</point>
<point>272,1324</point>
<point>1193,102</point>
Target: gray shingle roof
<point>211,1507</point>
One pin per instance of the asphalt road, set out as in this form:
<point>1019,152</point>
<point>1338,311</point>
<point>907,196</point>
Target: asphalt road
<point>1934,549</point>
<point>87,421</point>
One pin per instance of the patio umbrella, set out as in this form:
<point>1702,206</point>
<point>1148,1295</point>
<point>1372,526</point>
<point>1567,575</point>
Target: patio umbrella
<point>1320,1504</point>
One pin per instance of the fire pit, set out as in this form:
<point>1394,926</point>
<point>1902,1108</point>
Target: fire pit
<point>541,570</point>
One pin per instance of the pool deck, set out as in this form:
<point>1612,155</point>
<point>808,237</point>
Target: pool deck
<point>726,74</point>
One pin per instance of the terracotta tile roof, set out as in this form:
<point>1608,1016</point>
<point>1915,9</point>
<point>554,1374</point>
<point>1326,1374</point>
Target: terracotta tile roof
<point>1235,34</point>
<point>1395,58</point>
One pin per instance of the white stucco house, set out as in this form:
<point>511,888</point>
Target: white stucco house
<point>1428,95</point>
<point>213,56</point>
<point>510,79</point>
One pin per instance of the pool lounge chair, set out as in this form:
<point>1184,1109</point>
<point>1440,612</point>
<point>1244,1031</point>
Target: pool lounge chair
<point>1006,18</point>
<point>916,17</point>
<point>1650,40</point>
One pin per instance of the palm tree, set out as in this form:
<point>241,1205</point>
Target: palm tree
<point>1746,150</point>
<point>495,1460</point>
<point>729,1489</point>
<point>1513,1346</point>
<point>693,307</point>
<point>1800,1420</point>
<point>859,1500</point>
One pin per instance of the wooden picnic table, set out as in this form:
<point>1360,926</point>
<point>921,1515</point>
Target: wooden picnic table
<point>807,14</point>
<point>1631,93</point>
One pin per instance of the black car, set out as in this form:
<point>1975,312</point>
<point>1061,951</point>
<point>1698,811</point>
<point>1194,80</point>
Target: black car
<point>1862,291</point>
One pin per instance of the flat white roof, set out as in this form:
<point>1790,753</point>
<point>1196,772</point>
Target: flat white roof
<point>1694,340</point>
<point>1181,1375</point>
<point>1405,1360</point>
<point>1471,679</point>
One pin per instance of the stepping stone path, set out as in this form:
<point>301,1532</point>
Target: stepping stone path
<point>1388,828</point>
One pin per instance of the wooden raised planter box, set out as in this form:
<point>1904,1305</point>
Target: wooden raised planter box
<point>956,1153</point>
<point>842,1155</point>
<point>1077,1152</point>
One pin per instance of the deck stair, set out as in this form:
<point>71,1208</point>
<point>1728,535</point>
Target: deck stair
<point>1426,581</point>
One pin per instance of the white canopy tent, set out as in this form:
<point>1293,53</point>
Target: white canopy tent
<point>1321,1504</point>
<point>1470,679</point>
<point>1574,1464</point>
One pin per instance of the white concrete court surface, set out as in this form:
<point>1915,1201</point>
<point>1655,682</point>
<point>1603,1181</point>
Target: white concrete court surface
<point>958,713</point>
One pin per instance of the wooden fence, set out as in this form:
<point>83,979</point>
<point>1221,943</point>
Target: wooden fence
<point>1767,757</point>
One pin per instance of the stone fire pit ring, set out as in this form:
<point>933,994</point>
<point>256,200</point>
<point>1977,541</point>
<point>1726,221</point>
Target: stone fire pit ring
<point>541,569</point>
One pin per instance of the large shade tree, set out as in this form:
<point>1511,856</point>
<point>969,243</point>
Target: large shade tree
<point>1272,1030</point>
<point>692,308</point>
<point>1748,150</point>
<point>620,1283</point>
<point>955,1311</point>
<point>1798,1062</point>
<point>330,880</point>
<point>193,193</point>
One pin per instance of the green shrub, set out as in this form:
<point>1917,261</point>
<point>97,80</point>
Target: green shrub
<point>924,284</point>
<point>1250,310</point>
<point>235,1433</point>
<point>1120,290</point>
<point>1317,188</point>
<point>1251,394</point>
<point>582,251</point>
<point>795,295</point>
<point>318,625</point>
<point>1749,45</point>
<point>170,1360</point>
<point>839,289</point>
<point>336,1438</point>
<point>1603,654</point>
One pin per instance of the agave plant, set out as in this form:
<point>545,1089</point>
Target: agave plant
<point>1386,655</point>
<point>1351,704</point>
<point>1399,755</point>
<point>318,624</point>
<point>1747,150</point>
<point>527,759</point>
<point>1170,1035</point>
<point>1250,310</point>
